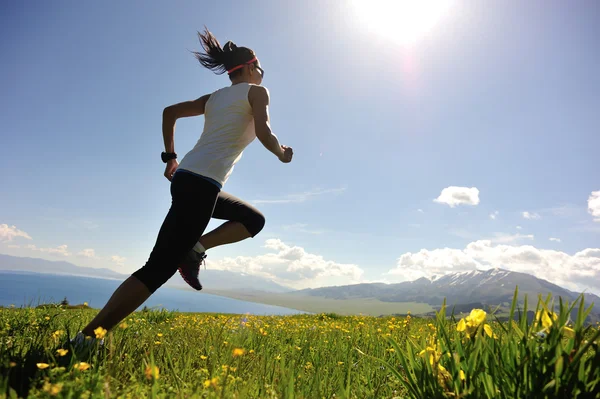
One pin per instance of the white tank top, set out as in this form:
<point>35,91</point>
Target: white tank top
<point>228,129</point>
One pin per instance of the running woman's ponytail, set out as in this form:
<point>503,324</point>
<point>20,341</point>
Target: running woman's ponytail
<point>218,59</point>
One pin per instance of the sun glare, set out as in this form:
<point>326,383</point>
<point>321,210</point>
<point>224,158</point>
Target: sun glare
<point>403,21</point>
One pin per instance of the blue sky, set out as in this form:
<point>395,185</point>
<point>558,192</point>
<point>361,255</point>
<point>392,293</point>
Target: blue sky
<point>498,99</point>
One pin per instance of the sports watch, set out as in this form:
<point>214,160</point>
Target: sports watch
<point>167,156</point>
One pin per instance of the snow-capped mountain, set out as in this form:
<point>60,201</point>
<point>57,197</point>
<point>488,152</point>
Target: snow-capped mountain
<point>493,287</point>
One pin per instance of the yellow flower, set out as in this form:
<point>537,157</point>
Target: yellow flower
<point>488,330</point>
<point>159,335</point>
<point>568,332</point>
<point>461,375</point>
<point>477,316</point>
<point>238,352</point>
<point>53,389</point>
<point>471,323</point>
<point>62,352</point>
<point>214,382</point>
<point>100,332</point>
<point>85,304</point>
<point>123,325</point>
<point>251,351</point>
<point>156,342</point>
<point>82,366</point>
<point>203,357</point>
<point>42,366</point>
<point>340,363</point>
<point>152,372</point>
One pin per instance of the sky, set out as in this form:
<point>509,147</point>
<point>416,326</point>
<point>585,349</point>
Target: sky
<point>417,152</point>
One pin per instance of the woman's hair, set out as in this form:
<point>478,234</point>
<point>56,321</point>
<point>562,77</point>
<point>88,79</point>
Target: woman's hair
<point>218,59</point>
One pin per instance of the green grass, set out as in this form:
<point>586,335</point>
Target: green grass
<point>184,355</point>
<point>313,304</point>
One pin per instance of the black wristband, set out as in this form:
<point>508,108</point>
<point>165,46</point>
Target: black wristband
<point>167,156</point>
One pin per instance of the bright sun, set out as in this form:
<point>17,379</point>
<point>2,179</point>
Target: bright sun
<point>403,21</point>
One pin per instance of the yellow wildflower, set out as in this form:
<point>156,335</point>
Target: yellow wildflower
<point>152,372</point>
<point>238,352</point>
<point>42,366</point>
<point>159,335</point>
<point>568,332</point>
<point>214,382</point>
<point>100,332</point>
<point>82,366</point>
<point>53,389</point>
<point>488,330</point>
<point>461,375</point>
<point>85,304</point>
<point>62,352</point>
<point>203,357</point>
<point>471,323</point>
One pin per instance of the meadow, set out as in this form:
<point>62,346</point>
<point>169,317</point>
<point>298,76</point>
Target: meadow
<point>159,353</point>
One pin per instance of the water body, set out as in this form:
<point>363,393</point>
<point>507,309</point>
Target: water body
<point>32,289</point>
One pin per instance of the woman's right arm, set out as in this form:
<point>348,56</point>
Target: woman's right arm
<point>258,96</point>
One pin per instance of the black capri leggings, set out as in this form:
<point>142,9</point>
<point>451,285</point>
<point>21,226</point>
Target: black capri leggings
<point>194,201</point>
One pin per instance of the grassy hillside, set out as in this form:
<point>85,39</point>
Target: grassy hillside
<point>160,354</point>
<point>312,304</point>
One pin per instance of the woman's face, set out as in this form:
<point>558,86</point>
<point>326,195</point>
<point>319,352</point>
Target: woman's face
<point>256,73</point>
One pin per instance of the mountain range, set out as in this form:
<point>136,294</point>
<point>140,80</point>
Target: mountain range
<point>217,279</point>
<point>478,287</point>
<point>490,287</point>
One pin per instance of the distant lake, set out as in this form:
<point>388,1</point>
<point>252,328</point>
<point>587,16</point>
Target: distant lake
<point>32,289</point>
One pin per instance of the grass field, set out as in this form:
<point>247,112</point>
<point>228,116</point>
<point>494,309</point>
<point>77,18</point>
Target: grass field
<point>313,304</point>
<point>167,354</point>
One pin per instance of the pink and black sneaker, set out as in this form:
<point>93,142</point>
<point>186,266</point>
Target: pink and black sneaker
<point>189,268</point>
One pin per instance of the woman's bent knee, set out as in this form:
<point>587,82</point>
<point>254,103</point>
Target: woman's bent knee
<point>255,224</point>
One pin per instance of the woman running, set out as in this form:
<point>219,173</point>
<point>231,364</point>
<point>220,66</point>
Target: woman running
<point>234,116</point>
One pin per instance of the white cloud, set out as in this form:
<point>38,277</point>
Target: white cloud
<point>88,253</point>
<point>292,266</point>
<point>577,272</point>
<point>594,205</point>
<point>519,227</point>
<point>420,210</point>
<point>454,196</point>
<point>531,215</point>
<point>118,260</point>
<point>494,215</point>
<point>554,239</point>
<point>60,250</point>
<point>7,233</point>
<point>299,197</point>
